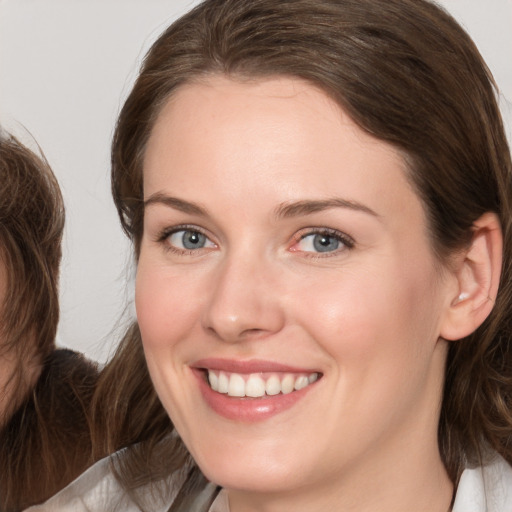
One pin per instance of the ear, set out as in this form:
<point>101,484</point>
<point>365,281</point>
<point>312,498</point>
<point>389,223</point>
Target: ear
<point>477,272</point>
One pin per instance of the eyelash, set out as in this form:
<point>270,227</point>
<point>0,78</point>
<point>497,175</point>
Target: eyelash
<point>347,241</point>
<point>164,235</point>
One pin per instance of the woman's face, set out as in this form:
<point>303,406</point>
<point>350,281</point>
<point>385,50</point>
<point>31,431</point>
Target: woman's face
<point>288,298</point>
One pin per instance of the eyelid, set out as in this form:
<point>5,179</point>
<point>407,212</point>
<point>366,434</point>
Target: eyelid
<point>163,236</point>
<point>347,241</point>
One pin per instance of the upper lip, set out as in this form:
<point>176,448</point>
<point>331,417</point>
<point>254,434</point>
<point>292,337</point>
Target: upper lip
<point>249,366</point>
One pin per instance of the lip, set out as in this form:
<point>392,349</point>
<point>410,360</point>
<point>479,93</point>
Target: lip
<point>250,366</point>
<point>246,409</point>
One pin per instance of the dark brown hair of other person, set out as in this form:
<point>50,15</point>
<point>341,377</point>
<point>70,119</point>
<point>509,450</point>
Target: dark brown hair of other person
<point>45,437</point>
<point>406,73</point>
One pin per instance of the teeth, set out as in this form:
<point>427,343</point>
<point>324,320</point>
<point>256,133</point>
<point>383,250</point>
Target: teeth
<point>223,383</point>
<point>301,382</point>
<point>257,385</point>
<point>236,385</point>
<point>213,379</point>
<point>273,385</point>
<point>287,384</point>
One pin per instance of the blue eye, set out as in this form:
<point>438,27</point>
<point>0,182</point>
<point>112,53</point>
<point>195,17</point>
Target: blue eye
<point>323,242</point>
<point>189,240</point>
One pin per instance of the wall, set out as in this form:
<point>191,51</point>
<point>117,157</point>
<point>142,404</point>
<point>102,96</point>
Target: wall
<point>65,67</point>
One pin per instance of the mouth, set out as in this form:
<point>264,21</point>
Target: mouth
<point>252,391</point>
<point>258,385</point>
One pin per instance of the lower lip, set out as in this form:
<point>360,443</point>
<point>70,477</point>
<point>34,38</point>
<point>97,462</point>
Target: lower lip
<point>248,410</point>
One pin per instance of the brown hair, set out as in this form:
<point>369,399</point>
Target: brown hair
<point>406,73</point>
<point>31,227</point>
<point>47,443</point>
<point>45,437</point>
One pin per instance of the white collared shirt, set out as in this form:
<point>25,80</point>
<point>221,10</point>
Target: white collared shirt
<point>481,489</point>
<point>485,488</point>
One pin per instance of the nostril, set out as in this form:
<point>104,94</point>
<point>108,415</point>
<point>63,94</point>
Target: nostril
<point>236,333</point>
<point>253,333</point>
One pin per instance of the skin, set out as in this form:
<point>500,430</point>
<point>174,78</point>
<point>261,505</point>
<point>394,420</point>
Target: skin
<point>368,315</point>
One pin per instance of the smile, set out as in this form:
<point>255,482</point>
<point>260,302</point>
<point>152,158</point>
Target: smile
<point>258,385</point>
<point>253,390</point>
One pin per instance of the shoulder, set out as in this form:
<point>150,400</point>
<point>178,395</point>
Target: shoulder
<point>68,380</point>
<point>84,493</point>
<point>67,365</point>
<point>65,385</point>
<point>98,490</point>
<point>486,488</point>
<point>49,432</point>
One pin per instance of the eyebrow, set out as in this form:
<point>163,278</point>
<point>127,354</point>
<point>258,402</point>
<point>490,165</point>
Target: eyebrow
<point>307,207</point>
<point>178,204</point>
<point>285,210</point>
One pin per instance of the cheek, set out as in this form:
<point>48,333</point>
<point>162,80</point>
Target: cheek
<point>165,315</point>
<point>386,314</point>
<point>380,335</point>
<point>166,306</point>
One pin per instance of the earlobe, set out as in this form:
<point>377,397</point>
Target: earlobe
<point>477,272</point>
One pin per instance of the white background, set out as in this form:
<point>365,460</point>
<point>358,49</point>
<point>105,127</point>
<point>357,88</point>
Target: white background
<point>65,68</point>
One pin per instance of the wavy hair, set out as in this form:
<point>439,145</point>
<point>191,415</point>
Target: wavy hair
<point>409,75</point>
<point>45,439</point>
<point>31,228</point>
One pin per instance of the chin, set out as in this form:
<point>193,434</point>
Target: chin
<point>248,479</point>
<point>256,470</point>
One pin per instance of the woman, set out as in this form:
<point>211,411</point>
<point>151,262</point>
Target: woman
<point>44,393</point>
<point>318,193</point>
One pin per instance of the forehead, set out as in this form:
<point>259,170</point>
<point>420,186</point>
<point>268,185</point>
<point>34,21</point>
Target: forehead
<point>280,135</point>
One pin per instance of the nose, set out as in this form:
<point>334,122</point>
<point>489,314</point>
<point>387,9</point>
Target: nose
<point>244,300</point>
